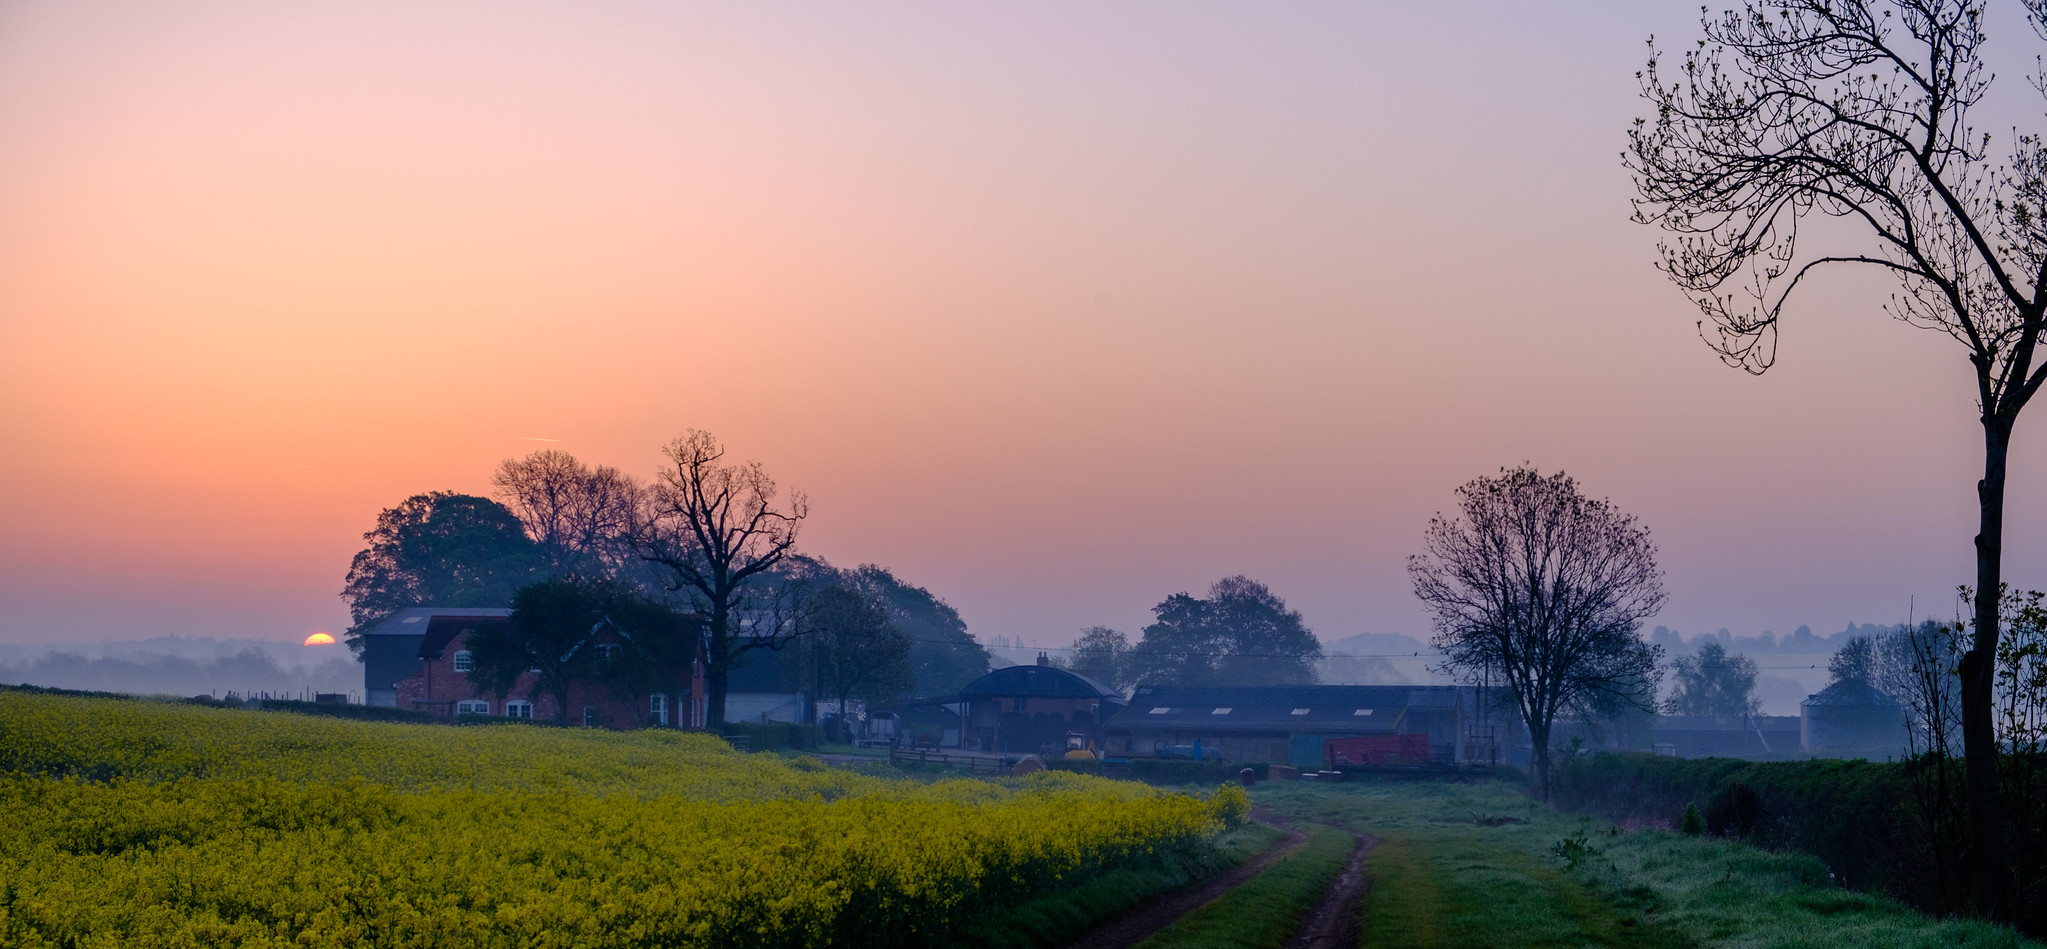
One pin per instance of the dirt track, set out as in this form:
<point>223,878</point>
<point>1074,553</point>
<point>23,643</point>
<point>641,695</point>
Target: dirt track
<point>1131,928</point>
<point>1331,923</point>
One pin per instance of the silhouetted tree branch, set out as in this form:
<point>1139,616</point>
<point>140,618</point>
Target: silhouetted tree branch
<point>1859,110</point>
<point>1542,589</point>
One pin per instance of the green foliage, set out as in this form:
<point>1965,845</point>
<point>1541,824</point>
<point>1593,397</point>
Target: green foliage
<point>1102,654</point>
<point>1712,682</point>
<point>943,655</point>
<point>1230,805</point>
<point>1850,814</point>
<point>1438,879</point>
<point>1240,634</point>
<point>438,549</point>
<point>1691,824</point>
<point>1574,850</point>
<point>853,649</point>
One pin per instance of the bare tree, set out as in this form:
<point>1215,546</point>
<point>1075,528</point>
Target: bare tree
<point>719,530</point>
<point>580,517</point>
<point>1859,110</point>
<point>1541,589</point>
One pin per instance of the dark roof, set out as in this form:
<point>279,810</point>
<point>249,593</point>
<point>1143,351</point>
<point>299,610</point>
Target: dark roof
<point>1355,709</point>
<point>1048,681</point>
<point>1849,692</point>
<point>442,630</point>
<point>1301,696</point>
<point>413,621</point>
<point>1726,723</point>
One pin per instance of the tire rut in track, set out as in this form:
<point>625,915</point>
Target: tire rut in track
<point>1136,925</point>
<point>1333,921</point>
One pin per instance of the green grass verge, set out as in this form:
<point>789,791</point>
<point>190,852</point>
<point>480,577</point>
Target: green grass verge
<point>1439,879</point>
<point>1267,909</point>
<point>1063,917</point>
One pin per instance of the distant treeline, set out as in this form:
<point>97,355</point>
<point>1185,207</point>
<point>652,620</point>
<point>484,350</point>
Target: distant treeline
<point>1799,641</point>
<point>246,672</point>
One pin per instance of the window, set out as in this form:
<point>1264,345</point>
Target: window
<point>1160,711</point>
<point>462,660</point>
<point>518,710</point>
<point>1365,711</point>
<point>1300,711</point>
<point>657,709</point>
<point>1225,710</point>
<point>471,706</point>
<point>411,619</point>
<point>589,716</point>
<point>606,651</point>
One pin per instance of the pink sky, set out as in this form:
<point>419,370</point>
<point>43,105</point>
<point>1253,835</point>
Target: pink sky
<point>1055,310</point>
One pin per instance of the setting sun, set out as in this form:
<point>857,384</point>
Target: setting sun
<point>320,639</point>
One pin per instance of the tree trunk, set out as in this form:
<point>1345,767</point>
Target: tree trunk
<point>1978,674</point>
<point>1538,736</point>
<point>717,667</point>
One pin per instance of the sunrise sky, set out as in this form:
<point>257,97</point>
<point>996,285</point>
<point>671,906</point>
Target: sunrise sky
<point>1055,309</point>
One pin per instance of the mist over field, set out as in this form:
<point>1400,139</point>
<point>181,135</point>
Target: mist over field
<point>177,665</point>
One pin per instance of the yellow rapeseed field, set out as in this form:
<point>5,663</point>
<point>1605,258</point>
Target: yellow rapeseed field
<point>128,823</point>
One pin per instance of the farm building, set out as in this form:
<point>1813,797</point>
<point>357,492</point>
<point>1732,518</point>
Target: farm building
<point>1022,709</point>
<point>1850,718</point>
<point>1289,724</point>
<point>391,649</point>
<point>419,659</point>
<point>1726,736</point>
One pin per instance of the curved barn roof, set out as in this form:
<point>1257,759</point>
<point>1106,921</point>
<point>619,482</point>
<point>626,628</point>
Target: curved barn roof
<point>1048,681</point>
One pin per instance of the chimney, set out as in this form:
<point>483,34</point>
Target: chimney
<point>1043,660</point>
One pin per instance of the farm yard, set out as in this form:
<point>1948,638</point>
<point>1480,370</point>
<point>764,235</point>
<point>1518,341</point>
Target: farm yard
<point>144,823</point>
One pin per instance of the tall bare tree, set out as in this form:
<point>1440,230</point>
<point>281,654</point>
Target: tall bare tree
<point>1539,588</point>
<point>720,530</point>
<point>1859,110</point>
<point>580,517</point>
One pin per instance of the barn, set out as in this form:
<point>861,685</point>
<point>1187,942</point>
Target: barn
<point>1288,724</point>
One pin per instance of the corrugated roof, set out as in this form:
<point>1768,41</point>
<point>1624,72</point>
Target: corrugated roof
<point>1353,720</point>
<point>1049,681</point>
<point>1300,696</point>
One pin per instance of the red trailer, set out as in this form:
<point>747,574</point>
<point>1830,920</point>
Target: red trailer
<point>1376,749</point>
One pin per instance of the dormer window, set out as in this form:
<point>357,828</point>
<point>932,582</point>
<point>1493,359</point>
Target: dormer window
<point>606,651</point>
<point>463,660</point>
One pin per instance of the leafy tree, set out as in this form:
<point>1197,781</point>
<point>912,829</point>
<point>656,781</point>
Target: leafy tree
<point>719,529</point>
<point>1102,654</point>
<point>437,549</point>
<point>549,634</point>
<point>1712,682</point>
<point>1240,634</point>
<point>1858,110</point>
<point>856,652</point>
<point>1854,663</point>
<point>1538,588</point>
<point>656,648</point>
<point>580,518</point>
<point>943,655</point>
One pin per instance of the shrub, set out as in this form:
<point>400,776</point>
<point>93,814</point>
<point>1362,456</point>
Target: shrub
<point>1230,805</point>
<point>1690,825</point>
